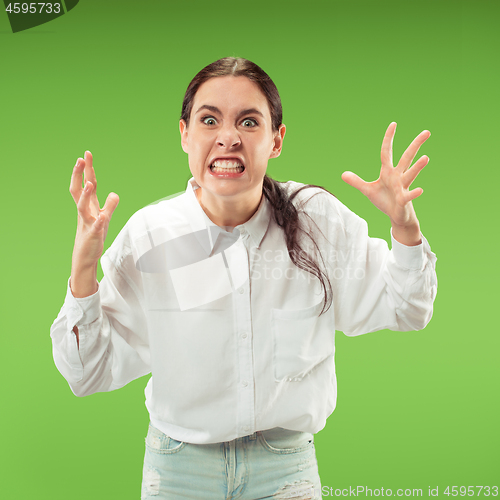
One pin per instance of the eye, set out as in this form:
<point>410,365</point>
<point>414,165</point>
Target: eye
<point>249,123</point>
<point>208,120</point>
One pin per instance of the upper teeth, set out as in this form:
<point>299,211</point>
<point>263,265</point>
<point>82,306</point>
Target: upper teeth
<point>226,163</point>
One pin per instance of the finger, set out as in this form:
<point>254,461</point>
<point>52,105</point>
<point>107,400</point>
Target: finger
<point>414,193</point>
<point>410,175</point>
<point>386,153</point>
<point>405,161</point>
<point>83,204</point>
<point>102,221</point>
<point>89,169</point>
<point>90,176</point>
<point>355,181</point>
<point>75,187</point>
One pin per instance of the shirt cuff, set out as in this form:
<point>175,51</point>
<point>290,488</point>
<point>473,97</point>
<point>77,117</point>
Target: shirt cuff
<point>84,310</point>
<point>410,257</point>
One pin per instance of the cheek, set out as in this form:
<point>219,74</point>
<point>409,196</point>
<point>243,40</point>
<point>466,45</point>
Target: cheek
<point>199,149</point>
<point>263,149</point>
<point>203,144</point>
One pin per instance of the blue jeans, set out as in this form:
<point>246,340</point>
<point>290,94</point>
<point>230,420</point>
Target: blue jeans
<point>273,464</point>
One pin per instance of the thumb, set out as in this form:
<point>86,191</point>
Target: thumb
<point>110,205</point>
<point>355,181</point>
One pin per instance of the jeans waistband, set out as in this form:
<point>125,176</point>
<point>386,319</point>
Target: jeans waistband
<point>275,433</point>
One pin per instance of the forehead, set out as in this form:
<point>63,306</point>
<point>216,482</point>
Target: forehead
<point>231,94</point>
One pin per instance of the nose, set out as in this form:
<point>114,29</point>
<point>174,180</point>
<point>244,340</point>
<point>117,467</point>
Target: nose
<point>228,137</point>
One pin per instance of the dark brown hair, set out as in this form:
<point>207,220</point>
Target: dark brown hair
<point>284,212</point>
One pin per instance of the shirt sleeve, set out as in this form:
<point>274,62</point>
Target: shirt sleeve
<point>112,329</point>
<point>375,288</point>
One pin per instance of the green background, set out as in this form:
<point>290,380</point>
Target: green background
<point>415,409</point>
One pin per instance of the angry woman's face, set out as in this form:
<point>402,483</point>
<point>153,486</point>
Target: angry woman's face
<point>230,139</point>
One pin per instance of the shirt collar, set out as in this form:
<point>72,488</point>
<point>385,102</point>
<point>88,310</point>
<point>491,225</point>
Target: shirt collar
<point>255,227</point>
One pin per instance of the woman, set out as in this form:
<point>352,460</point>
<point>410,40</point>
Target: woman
<point>230,295</point>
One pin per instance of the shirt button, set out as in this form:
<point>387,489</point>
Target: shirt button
<point>241,290</point>
<point>246,429</point>
<point>244,383</point>
<point>244,335</point>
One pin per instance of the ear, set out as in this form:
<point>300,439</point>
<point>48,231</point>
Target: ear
<point>278,141</point>
<point>184,135</point>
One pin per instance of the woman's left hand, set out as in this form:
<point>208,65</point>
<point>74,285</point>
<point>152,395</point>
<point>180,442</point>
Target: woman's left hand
<point>390,193</point>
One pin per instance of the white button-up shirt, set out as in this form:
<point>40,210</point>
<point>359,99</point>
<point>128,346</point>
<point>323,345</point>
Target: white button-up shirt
<point>226,324</point>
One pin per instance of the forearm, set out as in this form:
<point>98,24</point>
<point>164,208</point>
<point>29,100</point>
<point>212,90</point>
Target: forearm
<point>108,341</point>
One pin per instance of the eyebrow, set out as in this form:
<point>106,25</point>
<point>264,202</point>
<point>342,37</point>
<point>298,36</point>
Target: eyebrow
<point>215,109</point>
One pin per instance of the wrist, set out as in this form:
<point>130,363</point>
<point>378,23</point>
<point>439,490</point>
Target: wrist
<point>408,234</point>
<point>82,266</point>
<point>83,281</point>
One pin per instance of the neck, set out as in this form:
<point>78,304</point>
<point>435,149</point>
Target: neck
<point>228,211</point>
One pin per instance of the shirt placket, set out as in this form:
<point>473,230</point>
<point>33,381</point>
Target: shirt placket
<point>243,330</point>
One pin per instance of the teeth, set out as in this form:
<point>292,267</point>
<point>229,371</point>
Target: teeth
<point>219,170</point>
<point>226,164</point>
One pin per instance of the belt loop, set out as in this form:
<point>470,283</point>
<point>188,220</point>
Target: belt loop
<point>253,436</point>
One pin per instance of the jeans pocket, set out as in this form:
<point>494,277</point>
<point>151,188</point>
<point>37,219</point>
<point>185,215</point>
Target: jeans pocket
<point>158,442</point>
<point>284,441</point>
<point>299,345</point>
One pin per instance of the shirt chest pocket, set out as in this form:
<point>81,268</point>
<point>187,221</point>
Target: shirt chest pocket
<point>299,345</point>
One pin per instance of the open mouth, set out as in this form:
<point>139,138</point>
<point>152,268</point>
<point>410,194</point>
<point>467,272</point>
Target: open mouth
<point>229,166</point>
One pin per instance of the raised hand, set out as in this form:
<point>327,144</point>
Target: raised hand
<point>93,223</point>
<point>390,192</point>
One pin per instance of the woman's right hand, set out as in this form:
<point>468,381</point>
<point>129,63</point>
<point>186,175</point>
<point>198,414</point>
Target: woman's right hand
<point>93,222</point>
